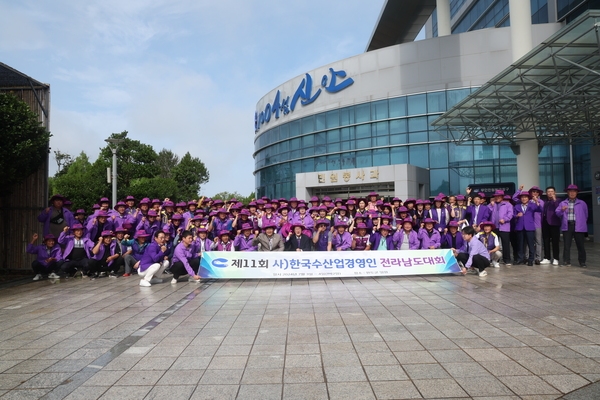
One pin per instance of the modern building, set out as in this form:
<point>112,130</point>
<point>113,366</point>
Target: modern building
<point>349,127</point>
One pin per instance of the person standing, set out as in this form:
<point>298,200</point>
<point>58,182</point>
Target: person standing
<point>574,215</point>
<point>501,215</point>
<point>551,227</point>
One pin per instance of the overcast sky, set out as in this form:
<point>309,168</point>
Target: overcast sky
<point>178,74</point>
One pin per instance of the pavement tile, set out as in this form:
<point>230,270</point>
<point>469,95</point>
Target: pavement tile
<point>263,392</point>
<point>465,369</point>
<point>262,376</point>
<point>528,385</point>
<point>181,377</point>
<point>140,378</point>
<point>426,371</point>
<point>126,393</point>
<point>345,374</point>
<point>385,373</point>
<point>228,362</point>
<point>350,390</point>
<point>566,383</point>
<point>87,393</point>
<point>484,386</point>
<point>104,378</point>
<point>176,392</point>
<point>303,375</point>
<point>303,361</point>
<point>439,388</point>
<point>26,394</point>
<point>305,391</point>
<point>46,380</point>
<point>414,357</point>
<point>395,390</point>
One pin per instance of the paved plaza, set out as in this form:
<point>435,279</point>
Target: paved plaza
<point>520,332</point>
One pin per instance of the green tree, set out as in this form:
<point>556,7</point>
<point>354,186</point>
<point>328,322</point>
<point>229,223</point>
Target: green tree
<point>190,174</point>
<point>135,160</point>
<point>226,196</point>
<point>63,160</point>
<point>165,161</point>
<point>24,141</point>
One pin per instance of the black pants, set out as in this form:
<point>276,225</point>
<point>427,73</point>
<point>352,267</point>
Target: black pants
<point>42,269</point>
<point>551,235</point>
<point>179,270</point>
<point>505,239</point>
<point>526,238</point>
<point>479,262</point>
<point>70,267</point>
<point>579,237</point>
<point>96,266</point>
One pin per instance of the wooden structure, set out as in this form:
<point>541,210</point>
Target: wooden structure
<point>19,210</point>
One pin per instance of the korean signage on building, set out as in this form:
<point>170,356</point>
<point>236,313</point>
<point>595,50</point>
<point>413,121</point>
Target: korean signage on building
<point>334,82</point>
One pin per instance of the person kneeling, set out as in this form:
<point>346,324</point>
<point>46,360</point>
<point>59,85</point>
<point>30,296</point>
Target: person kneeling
<point>473,254</point>
<point>186,260</point>
<point>153,261</point>
<point>106,257</point>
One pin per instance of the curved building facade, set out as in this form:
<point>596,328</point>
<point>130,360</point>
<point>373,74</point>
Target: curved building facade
<point>375,110</point>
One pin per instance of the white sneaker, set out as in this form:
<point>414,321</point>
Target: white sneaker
<point>555,262</point>
<point>37,277</point>
<point>545,261</point>
<point>173,281</point>
<point>483,273</point>
<point>191,279</point>
<point>155,280</point>
<point>53,276</point>
<point>496,264</point>
<point>145,283</point>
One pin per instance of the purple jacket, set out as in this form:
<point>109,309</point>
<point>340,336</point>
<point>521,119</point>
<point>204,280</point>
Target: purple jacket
<point>549,213</point>
<point>483,214</point>
<point>149,228</point>
<point>44,218</point>
<point>581,215</point>
<point>92,228</point>
<point>413,240</point>
<point>68,241</point>
<point>152,255</point>
<point>242,244</point>
<point>184,254</point>
<point>119,220</point>
<point>376,239</point>
<point>527,221</point>
<point>113,251</point>
<point>137,251</point>
<point>430,239</point>
<point>504,211</point>
<point>343,242</point>
<point>447,241</point>
<point>42,252</point>
<point>492,240</point>
<point>441,217</point>
<point>207,245</point>
<point>537,217</point>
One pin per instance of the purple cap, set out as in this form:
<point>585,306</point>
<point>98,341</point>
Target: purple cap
<point>152,213</point>
<point>246,227</point>
<point>57,197</point>
<point>49,237</point>
<point>460,197</point>
<point>326,198</point>
<point>314,198</point>
<point>156,201</point>
<point>145,200</point>
<point>76,226</point>
<point>129,198</point>
<point>293,199</point>
<point>104,200</point>
<point>120,230</point>
<point>487,223</point>
<point>176,217</point>
<point>408,201</point>
<point>340,224</point>
<point>269,225</point>
<point>405,220</point>
<point>402,209</point>
<point>373,194</point>
<point>107,233</point>
<point>572,187</point>
<point>498,193</point>
<point>120,204</point>
<point>222,211</point>
<point>166,229</point>
<point>429,221</point>
<point>192,203</point>
<point>245,212</point>
<point>140,233</point>
<point>181,204</point>
<point>80,211</point>
<point>102,213</point>
<point>351,202</point>
<point>361,225</point>
<point>322,222</point>
<point>168,203</point>
<point>535,189</point>
<point>453,224</point>
<point>386,227</point>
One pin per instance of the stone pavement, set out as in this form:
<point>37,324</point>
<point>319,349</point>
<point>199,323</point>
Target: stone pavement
<point>520,332</point>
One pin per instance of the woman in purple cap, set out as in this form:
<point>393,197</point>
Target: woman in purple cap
<point>268,218</point>
<point>284,224</point>
<point>203,243</point>
<point>185,259</point>
<point>382,240</point>
<point>168,210</point>
<point>452,239</point>
<point>296,240</point>
<point>220,222</point>
<point>243,240</point>
<point>406,238</point>
<point>321,235</point>
<point>150,223</point>
<point>223,242</point>
<point>491,241</point>
<point>361,239</point>
<point>106,257</point>
<point>77,251</point>
<point>49,257</point>
<point>98,224</point>
<point>340,239</point>
<point>428,236</point>
<point>56,217</point>
<point>372,205</point>
<point>304,219</point>
<point>525,227</point>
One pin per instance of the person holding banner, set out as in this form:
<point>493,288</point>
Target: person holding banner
<point>185,259</point>
<point>298,241</point>
<point>430,238</point>
<point>268,240</point>
<point>473,254</point>
<point>340,239</point>
<point>223,242</point>
<point>406,238</point>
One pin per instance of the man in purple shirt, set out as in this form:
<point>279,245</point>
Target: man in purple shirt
<point>473,254</point>
<point>574,214</point>
<point>551,227</point>
<point>185,259</point>
<point>501,214</point>
<point>340,239</point>
<point>49,257</point>
<point>524,214</point>
<point>153,261</point>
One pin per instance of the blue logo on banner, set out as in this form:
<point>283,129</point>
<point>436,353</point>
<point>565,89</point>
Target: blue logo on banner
<point>219,263</point>
<point>304,94</point>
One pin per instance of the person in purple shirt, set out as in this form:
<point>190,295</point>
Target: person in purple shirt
<point>203,243</point>
<point>106,257</point>
<point>525,227</point>
<point>428,236</point>
<point>551,228</point>
<point>360,238</point>
<point>453,238</point>
<point>243,241</point>
<point>340,239</point>
<point>321,235</point>
<point>185,259</point>
<point>138,247</point>
<point>77,251</point>
<point>574,215</point>
<point>150,223</point>
<point>56,217</point>
<point>535,192</point>
<point>304,219</point>
<point>478,212</point>
<point>153,261</point>
<point>49,257</point>
<point>440,215</point>
<point>98,224</point>
<point>502,214</point>
<point>223,242</point>
<point>473,254</point>
<point>382,240</point>
<point>406,238</point>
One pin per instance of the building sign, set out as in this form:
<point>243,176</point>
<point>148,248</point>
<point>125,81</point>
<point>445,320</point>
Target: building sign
<point>319,264</point>
<point>346,176</point>
<point>334,82</point>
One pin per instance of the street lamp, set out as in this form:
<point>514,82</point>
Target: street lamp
<point>114,146</point>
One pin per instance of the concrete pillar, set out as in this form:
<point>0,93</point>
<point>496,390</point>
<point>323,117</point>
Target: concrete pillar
<point>443,17</point>
<point>528,170</point>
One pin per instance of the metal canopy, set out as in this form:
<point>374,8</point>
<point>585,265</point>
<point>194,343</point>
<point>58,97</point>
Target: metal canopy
<point>553,91</point>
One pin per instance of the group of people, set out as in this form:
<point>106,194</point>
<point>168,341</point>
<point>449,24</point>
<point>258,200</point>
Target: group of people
<point>152,237</point>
